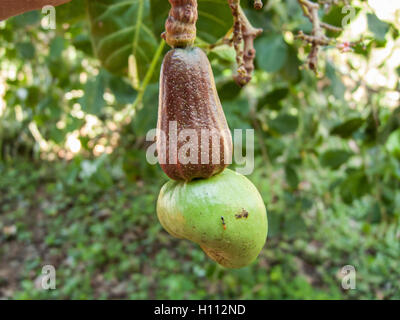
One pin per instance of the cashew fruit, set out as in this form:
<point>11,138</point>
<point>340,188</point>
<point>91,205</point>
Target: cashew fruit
<point>193,139</point>
<point>224,214</point>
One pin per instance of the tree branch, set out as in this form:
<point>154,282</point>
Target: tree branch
<point>317,37</point>
<point>243,41</point>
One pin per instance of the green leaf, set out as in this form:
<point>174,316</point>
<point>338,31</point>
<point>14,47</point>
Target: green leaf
<point>375,213</point>
<point>73,123</point>
<point>337,86</point>
<point>33,97</point>
<point>291,69</point>
<point>294,225</point>
<point>334,16</point>
<point>271,52</point>
<point>146,117</point>
<point>215,19</point>
<point>237,113</point>
<point>56,48</point>
<point>393,143</point>
<point>26,19</point>
<point>69,12</point>
<point>228,91</point>
<point>291,176</point>
<point>225,53</point>
<point>354,186</point>
<point>371,128</point>
<point>123,91</point>
<point>334,158</point>
<point>82,42</point>
<point>392,123</point>
<point>272,98</point>
<point>92,102</point>
<point>56,134</point>
<point>284,124</point>
<point>48,109</point>
<point>377,27</point>
<point>347,128</point>
<point>26,50</point>
<point>120,28</point>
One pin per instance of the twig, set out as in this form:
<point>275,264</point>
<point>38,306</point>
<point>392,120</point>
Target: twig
<point>317,37</point>
<point>237,34</point>
<point>330,27</point>
<point>243,41</point>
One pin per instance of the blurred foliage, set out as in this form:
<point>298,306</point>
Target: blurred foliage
<point>77,192</point>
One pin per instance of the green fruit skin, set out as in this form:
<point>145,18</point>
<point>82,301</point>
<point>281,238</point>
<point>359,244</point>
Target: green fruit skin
<point>193,210</point>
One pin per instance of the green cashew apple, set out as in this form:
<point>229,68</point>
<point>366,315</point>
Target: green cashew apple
<point>224,214</point>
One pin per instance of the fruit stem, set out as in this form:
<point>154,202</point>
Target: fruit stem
<point>180,25</point>
<point>141,90</point>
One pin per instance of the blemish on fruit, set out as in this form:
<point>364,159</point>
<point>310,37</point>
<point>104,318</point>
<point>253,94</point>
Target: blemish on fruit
<point>243,214</point>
